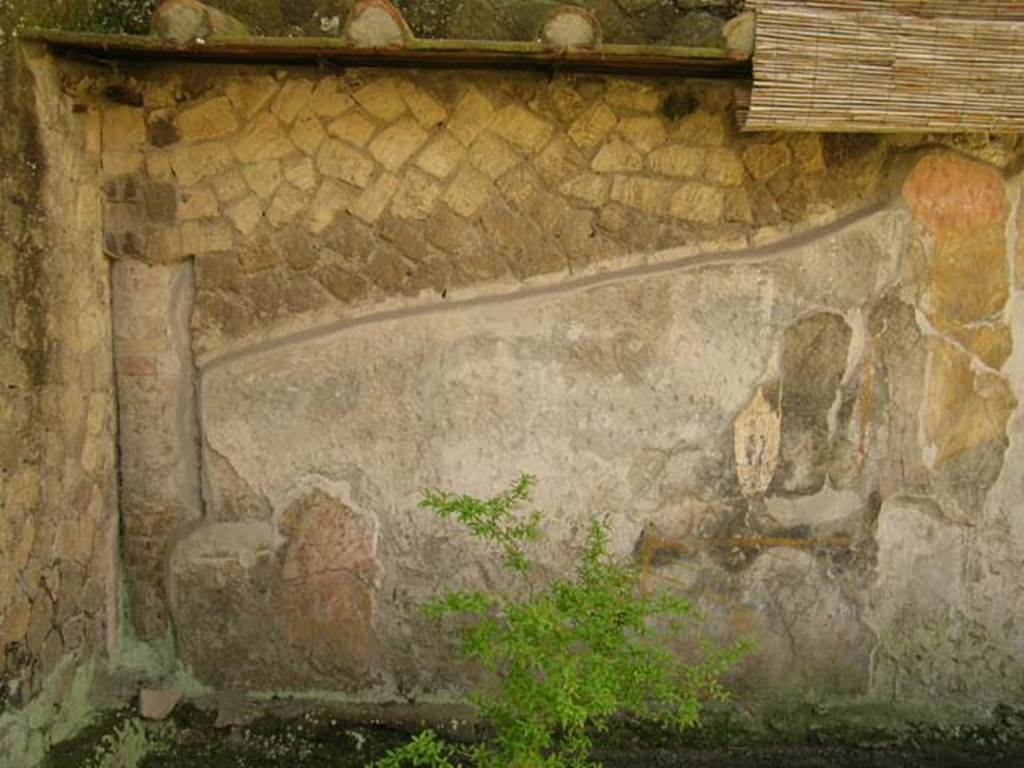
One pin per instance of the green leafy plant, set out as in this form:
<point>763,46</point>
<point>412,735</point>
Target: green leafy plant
<point>426,750</point>
<point>568,657</point>
<point>130,743</point>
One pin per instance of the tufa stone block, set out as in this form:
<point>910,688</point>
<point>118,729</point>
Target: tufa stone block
<point>251,94</point>
<point>472,115</point>
<point>157,704</point>
<point>739,35</point>
<point>124,128</point>
<point>645,133</point>
<point>198,204</point>
<point>650,195</point>
<point>262,139</point>
<point>427,110</point>
<point>371,204</point>
<point>263,178</point>
<point>416,196</point>
<point>194,163</point>
<point>308,133</point>
<point>160,202</point>
<point>570,26</point>
<point>617,157</point>
<point>396,144</point>
<point>468,192</point>
<point>327,101</point>
<point>588,187</point>
<point>353,128</point>
<point>302,174</point>
<point>677,160</point>
<point>765,160</point>
<point>382,99</point>
<point>376,24</point>
<point>522,128</point>
<point>492,156</point>
<point>293,98</point>
<point>442,156</point>
<point>187,20</point>
<point>591,128</point>
<point>246,214</point>
<point>633,95</point>
<point>340,161</point>
<point>213,119</point>
<point>288,203</point>
<point>697,202</point>
<point>205,236</point>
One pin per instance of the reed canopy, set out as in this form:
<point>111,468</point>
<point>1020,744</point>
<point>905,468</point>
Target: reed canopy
<point>888,65</point>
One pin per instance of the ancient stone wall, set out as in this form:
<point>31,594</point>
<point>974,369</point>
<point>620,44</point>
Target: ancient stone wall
<point>58,511</point>
<point>781,367</point>
<point>678,22</point>
<point>348,190</point>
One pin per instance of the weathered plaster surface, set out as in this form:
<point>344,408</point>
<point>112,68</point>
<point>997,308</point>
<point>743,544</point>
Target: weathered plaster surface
<point>156,394</point>
<point>619,397</point>
<point>781,367</point>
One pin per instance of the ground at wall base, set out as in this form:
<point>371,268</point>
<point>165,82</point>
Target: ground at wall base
<point>320,738</point>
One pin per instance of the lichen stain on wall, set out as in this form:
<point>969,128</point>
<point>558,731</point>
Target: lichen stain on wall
<point>406,279</point>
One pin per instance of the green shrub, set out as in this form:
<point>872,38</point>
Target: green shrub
<point>130,743</point>
<point>426,750</point>
<point>568,657</point>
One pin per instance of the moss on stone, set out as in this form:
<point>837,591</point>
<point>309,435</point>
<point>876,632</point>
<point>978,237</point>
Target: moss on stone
<point>286,17</point>
<point>662,22</point>
<point>129,17</point>
<point>60,710</point>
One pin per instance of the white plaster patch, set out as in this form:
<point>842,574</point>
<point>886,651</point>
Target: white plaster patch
<point>827,506</point>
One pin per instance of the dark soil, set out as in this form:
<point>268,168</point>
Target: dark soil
<point>319,740</point>
<point>934,756</point>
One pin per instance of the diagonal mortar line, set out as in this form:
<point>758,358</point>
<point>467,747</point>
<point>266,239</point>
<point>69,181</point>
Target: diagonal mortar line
<point>678,264</point>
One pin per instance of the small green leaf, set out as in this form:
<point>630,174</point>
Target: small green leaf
<point>569,655</point>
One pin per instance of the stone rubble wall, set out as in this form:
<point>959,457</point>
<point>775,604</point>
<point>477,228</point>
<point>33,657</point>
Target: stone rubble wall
<point>354,189</point>
<point>780,366</point>
<point>296,197</point>
<point>58,491</point>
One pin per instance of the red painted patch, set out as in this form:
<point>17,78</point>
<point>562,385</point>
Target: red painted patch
<point>949,192</point>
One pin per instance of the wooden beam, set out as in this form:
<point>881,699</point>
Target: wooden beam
<point>418,53</point>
